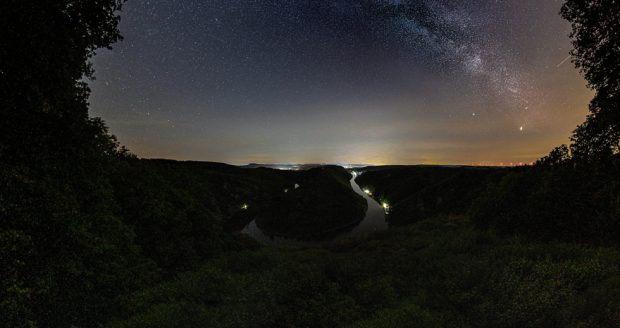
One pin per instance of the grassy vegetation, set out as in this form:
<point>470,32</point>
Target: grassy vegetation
<point>181,266</point>
<point>440,272</point>
<point>90,236</point>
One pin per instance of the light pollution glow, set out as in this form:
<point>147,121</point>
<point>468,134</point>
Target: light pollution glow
<point>473,82</point>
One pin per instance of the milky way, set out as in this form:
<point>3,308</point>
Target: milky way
<point>340,81</point>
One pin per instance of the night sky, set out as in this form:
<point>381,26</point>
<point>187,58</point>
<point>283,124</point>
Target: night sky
<point>341,81</point>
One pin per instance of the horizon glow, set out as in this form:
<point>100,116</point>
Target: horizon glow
<point>306,81</point>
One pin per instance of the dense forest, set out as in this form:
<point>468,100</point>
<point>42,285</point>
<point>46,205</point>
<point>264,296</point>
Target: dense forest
<point>92,236</point>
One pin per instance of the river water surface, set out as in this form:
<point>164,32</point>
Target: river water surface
<point>373,221</point>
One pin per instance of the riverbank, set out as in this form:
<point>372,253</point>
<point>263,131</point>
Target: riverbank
<point>322,203</point>
<point>373,221</point>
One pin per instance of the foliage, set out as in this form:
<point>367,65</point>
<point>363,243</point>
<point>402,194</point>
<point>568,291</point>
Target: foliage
<point>92,236</point>
<point>436,273</point>
<point>43,100</point>
<point>559,202</point>
<point>179,210</point>
<point>596,40</point>
<point>415,193</point>
<point>68,256</point>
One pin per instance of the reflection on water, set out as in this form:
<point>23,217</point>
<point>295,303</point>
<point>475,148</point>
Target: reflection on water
<point>373,221</point>
<point>375,215</point>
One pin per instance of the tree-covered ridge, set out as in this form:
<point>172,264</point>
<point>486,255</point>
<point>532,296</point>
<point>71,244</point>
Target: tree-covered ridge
<point>414,193</point>
<point>91,236</point>
<point>560,202</point>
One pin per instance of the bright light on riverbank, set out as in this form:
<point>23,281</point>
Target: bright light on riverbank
<point>385,206</point>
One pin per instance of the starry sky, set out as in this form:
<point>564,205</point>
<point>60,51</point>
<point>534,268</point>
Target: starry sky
<point>486,82</point>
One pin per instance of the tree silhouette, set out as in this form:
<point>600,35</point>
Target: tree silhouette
<point>64,253</point>
<point>43,59</point>
<point>596,42</point>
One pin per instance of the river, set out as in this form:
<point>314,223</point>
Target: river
<point>373,221</point>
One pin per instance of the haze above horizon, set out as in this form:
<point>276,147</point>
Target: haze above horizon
<point>429,82</point>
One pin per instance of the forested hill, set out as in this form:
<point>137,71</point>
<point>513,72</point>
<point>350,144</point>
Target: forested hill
<point>92,236</point>
<point>418,192</point>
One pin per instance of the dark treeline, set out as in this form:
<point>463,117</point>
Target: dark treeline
<point>91,236</point>
<point>414,193</point>
<point>565,201</point>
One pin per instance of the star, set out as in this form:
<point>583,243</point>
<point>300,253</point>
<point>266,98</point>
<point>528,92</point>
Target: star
<point>350,81</point>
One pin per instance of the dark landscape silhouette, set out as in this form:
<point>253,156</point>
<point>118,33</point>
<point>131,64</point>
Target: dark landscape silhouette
<point>92,235</point>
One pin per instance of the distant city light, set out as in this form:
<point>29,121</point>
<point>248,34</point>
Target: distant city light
<point>286,190</point>
<point>244,206</point>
